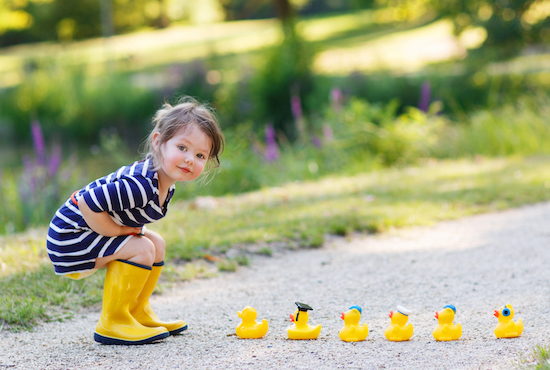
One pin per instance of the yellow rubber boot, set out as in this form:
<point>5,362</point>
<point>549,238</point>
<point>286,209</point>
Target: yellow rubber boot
<point>123,283</point>
<point>142,311</point>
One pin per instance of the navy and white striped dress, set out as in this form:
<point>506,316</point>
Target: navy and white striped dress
<point>130,196</point>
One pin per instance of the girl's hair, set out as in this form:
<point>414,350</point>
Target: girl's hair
<point>170,119</point>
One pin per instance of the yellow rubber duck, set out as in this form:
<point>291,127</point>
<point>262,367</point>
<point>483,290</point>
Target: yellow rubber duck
<point>301,329</point>
<point>398,331</point>
<point>352,331</point>
<point>249,328</point>
<point>506,328</point>
<point>446,330</point>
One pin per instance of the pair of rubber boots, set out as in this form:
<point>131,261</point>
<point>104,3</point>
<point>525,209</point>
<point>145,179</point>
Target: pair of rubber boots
<point>127,317</point>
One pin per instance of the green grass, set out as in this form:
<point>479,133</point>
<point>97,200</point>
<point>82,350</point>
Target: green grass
<point>297,215</point>
<point>539,359</point>
<point>300,214</point>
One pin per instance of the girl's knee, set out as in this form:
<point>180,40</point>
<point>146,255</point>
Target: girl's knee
<point>144,252</point>
<point>160,249</point>
<point>159,243</point>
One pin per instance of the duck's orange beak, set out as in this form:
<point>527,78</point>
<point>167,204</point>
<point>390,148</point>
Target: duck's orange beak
<point>292,317</point>
<point>342,316</point>
<point>437,315</point>
<point>391,314</point>
<point>496,313</point>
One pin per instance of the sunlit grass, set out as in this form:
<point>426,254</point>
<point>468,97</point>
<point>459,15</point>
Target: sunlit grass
<point>301,213</point>
<point>184,43</point>
<point>369,40</point>
<point>403,51</point>
<point>22,252</point>
<point>136,51</point>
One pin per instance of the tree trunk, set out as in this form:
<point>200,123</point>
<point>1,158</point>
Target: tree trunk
<point>286,15</point>
<point>106,10</point>
<point>163,21</point>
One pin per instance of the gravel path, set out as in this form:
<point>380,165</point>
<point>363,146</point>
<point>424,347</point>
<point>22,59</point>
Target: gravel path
<point>477,264</point>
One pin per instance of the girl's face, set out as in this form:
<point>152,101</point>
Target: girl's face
<point>184,156</point>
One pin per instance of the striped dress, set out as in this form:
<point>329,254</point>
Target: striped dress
<point>130,196</point>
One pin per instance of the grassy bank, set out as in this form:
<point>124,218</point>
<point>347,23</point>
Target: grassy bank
<point>221,233</point>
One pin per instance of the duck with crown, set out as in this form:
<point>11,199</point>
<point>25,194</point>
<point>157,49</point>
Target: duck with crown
<point>301,329</point>
<point>399,330</point>
<point>352,331</point>
<point>446,330</point>
<point>506,327</point>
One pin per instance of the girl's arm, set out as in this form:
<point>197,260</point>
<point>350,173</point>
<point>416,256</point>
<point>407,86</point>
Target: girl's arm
<point>102,223</point>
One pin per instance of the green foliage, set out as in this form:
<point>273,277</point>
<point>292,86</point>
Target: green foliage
<point>539,359</point>
<point>242,260</point>
<point>268,252</point>
<point>510,24</point>
<point>227,265</point>
<point>375,129</point>
<point>76,106</point>
<point>29,196</point>
<point>513,129</point>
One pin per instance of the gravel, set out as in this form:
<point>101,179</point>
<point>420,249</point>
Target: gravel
<point>478,264</point>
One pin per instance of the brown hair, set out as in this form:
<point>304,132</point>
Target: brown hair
<point>170,119</point>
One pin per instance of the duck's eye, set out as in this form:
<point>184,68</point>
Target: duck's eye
<point>506,312</point>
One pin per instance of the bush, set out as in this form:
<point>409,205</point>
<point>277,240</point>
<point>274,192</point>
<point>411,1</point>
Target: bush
<point>76,107</point>
<point>377,130</point>
<point>29,197</point>
<point>515,128</point>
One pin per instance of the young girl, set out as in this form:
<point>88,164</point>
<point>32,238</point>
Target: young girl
<point>103,224</point>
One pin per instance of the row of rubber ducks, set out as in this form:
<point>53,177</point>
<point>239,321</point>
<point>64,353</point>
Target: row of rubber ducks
<point>399,330</point>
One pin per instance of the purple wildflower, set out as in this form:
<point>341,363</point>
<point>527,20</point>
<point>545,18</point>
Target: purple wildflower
<point>271,149</point>
<point>425,96</point>
<point>327,133</point>
<point>55,161</point>
<point>38,141</point>
<point>336,99</point>
<point>296,106</point>
<point>316,142</point>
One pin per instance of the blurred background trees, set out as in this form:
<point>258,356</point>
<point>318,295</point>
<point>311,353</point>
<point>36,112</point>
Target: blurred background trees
<point>23,21</point>
<point>509,23</point>
<point>303,88</point>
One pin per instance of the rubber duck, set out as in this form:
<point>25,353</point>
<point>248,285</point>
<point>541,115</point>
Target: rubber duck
<point>398,331</point>
<point>301,329</point>
<point>506,328</point>
<point>249,328</point>
<point>352,331</point>
<point>446,330</point>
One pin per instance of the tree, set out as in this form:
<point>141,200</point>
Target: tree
<point>285,76</point>
<point>510,24</point>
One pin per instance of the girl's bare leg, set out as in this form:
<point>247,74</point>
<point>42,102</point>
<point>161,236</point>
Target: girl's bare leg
<point>144,250</point>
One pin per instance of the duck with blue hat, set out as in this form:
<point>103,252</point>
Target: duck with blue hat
<point>352,331</point>
<point>446,330</point>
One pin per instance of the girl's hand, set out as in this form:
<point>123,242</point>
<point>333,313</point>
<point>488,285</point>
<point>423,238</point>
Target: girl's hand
<point>103,224</point>
<point>137,231</point>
